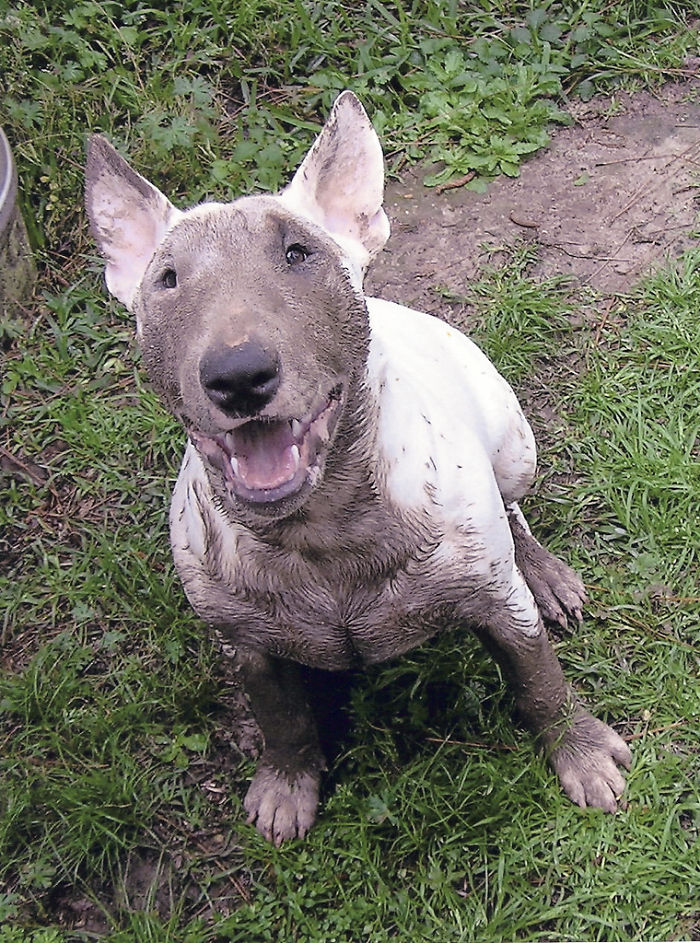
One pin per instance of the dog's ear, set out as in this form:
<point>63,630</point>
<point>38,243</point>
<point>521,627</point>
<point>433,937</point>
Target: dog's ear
<point>340,183</point>
<point>128,217</point>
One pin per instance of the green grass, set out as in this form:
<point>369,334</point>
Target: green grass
<point>438,822</point>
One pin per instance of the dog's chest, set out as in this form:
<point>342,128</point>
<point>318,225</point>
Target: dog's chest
<point>331,617</point>
<point>364,604</point>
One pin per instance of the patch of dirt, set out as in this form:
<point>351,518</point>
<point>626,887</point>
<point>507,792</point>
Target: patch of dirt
<point>612,196</point>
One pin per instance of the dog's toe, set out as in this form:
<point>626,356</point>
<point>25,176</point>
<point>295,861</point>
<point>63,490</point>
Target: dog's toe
<point>282,807</point>
<point>559,592</point>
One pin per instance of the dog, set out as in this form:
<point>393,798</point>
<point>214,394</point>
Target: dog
<point>351,483</point>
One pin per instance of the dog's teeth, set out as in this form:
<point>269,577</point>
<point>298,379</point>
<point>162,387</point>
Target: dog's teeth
<point>234,464</point>
<point>296,456</point>
<point>296,428</point>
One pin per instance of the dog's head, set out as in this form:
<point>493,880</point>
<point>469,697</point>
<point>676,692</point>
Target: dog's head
<point>250,314</point>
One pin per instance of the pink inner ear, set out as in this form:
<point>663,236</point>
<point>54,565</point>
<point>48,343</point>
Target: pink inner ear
<point>130,250</point>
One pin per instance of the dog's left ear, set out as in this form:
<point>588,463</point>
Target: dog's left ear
<point>128,216</point>
<point>340,183</point>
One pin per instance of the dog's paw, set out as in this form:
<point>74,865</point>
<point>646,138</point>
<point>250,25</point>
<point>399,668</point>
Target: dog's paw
<point>559,591</point>
<point>586,757</point>
<point>282,806</point>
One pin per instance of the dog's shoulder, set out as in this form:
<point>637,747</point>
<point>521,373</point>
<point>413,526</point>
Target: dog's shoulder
<point>448,423</point>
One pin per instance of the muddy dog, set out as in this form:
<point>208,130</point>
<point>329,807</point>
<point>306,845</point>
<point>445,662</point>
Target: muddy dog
<point>351,481</point>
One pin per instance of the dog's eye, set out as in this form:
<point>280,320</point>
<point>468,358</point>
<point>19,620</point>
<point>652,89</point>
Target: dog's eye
<point>169,278</point>
<point>296,253</point>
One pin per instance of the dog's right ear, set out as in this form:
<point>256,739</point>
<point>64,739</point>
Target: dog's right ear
<point>128,217</point>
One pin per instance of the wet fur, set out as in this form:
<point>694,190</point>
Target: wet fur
<point>408,526</point>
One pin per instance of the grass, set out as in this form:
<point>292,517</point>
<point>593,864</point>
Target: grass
<point>225,96</point>
<point>120,782</point>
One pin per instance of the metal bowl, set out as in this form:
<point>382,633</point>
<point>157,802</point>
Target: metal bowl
<point>17,269</point>
<point>8,182</point>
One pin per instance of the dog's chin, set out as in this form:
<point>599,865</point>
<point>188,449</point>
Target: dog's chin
<point>269,466</point>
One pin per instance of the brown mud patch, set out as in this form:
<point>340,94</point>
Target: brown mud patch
<point>613,196</point>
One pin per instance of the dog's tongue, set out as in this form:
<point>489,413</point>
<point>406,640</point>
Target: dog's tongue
<point>265,454</point>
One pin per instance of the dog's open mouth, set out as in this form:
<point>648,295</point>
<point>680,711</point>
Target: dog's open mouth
<point>267,460</point>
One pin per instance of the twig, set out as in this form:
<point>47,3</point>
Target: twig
<point>643,733</point>
<point>616,257</point>
<point>8,460</point>
<point>627,160</point>
<point>582,255</point>
<point>603,321</point>
<point>457,182</point>
<point>638,194</point>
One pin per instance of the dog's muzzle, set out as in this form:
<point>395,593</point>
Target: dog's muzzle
<point>264,460</point>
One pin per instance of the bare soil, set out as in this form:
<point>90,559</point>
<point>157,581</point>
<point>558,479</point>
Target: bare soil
<point>611,198</point>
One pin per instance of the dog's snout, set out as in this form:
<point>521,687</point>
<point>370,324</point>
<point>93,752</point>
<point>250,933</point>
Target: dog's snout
<point>240,380</point>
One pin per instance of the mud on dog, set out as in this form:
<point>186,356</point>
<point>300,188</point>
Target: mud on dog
<point>351,483</point>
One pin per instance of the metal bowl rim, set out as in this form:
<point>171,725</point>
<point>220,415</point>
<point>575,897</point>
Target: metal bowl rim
<point>8,184</point>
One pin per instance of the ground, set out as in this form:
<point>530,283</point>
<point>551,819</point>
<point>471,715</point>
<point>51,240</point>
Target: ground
<point>610,198</point>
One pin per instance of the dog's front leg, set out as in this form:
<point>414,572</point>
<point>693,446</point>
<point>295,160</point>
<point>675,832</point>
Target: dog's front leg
<point>283,795</point>
<point>583,751</point>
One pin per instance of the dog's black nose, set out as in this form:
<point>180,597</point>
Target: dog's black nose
<point>239,380</point>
